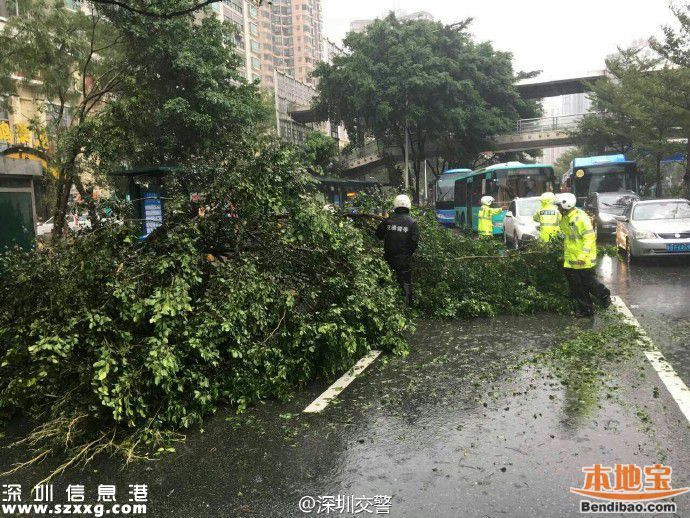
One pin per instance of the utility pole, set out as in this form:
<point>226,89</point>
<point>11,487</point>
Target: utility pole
<point>426,186</point>
<point>407,157</point>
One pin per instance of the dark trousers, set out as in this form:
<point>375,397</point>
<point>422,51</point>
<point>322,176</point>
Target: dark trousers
<point>402,267</point>
<point>583,283</point>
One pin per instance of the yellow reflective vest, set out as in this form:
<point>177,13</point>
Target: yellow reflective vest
<point>549,220</point>
<point>485,225</point>
<point>580,240</point>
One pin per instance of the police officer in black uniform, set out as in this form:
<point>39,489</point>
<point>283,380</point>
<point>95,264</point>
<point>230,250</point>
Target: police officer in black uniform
<point>400,236</point>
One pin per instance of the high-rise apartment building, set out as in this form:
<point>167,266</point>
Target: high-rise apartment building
<point>280,36</point>
<point>291,36</point>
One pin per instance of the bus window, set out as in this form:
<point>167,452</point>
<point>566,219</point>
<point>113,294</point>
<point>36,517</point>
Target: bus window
<point>477,190</point>
<point>522,183</point>
<point>461,193</point>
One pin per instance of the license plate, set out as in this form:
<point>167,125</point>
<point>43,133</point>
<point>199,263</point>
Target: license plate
<point>678,247</point>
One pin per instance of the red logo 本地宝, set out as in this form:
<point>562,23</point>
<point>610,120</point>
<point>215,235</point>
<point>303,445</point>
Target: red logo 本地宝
<point>628,482</point>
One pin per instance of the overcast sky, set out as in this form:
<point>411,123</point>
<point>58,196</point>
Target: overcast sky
<point>560,37</point>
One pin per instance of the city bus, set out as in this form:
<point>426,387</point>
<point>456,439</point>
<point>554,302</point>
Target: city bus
<point>339,191</point>
<point>504,182</point>
<point>611,173</point>
<point>444,195</point>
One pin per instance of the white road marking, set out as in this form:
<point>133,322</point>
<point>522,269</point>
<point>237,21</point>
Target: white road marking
<point>676,387</point>
<point>331,392</point>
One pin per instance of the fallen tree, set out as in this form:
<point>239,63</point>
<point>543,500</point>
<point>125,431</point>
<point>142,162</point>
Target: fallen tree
<point>115,343</point>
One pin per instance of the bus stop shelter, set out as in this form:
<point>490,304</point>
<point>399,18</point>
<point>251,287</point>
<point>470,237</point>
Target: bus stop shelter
<point>144,187</point>
<point>18,201</point>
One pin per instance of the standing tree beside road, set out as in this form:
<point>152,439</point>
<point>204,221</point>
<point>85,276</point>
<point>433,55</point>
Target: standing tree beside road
<point>447,92</point>
<point>643,108</point>
<point>121,89</point>
<point>68,59</point>
<point>676,49</point>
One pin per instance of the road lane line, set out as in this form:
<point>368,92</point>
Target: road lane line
<point>674,384</point>
<point>341,384</point>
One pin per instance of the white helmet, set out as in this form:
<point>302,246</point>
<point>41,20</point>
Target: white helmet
<point>548,197</point>
<point>487,200</point>
<point>402,201</point>
<point>566,200</point>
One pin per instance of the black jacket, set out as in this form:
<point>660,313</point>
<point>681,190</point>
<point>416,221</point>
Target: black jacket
<point>400,235</point>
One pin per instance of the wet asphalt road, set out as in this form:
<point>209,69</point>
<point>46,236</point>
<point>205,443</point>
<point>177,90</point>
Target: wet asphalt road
<point>658,294</point>
<point>462,427</point>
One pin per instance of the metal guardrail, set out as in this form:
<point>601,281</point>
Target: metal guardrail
<point>561,122</point>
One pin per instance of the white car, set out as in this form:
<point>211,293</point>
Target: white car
<point>80,223</point>
<point>520,227</point>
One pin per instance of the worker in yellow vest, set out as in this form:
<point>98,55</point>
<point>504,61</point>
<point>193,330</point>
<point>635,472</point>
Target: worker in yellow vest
<point>548,217</point>
<point>486,214</point>
<point>580,256</point>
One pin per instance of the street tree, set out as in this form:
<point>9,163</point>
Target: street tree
<point>68,59</point>
<point>183,97</point>
<point>632,114</point>
<point>562,164</point>
<point>425,81</point>
<point>675,49</point>
<point>319,152</point>
<point>122,89</point>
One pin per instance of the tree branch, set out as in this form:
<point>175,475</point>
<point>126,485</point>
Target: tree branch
<point>164,15</point>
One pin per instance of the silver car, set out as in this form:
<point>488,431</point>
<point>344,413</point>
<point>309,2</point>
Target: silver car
<point>655,228</point>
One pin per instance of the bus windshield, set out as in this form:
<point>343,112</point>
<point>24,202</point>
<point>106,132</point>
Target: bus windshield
<point>604,178</point>
<point>445,192</point>
<point>522,183</point>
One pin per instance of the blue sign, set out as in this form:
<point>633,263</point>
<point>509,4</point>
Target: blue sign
<point>152,213</point>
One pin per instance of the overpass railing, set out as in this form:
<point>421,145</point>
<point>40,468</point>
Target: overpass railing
<point>561,122</point>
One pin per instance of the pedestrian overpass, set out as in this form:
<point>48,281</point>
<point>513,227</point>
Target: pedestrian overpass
<point>538,133</point>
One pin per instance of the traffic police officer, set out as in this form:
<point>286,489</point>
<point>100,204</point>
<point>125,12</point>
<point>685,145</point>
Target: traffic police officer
<point>580,256</point>
<point>548,217</point>
<point>486,214</point>
<point>400,236</point>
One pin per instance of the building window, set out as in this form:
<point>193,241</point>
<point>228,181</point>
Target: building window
<point>255,46</point>
<point>253,29</point>
<point>253,11</point>
<point>256,64</point>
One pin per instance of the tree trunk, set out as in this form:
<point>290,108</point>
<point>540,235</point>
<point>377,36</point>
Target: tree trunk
<point>89,201</point>
<point>419,155</point>
<point>659,187</point>
<point>62,198</point>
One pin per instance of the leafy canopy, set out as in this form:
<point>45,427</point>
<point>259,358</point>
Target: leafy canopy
<point>450,91</point>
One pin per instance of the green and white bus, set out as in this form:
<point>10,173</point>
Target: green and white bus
<point>504,182</point>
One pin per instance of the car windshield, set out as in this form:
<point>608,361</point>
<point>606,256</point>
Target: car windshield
<point>615,203</point>
<point>662,210</point>
<point>528,207</point>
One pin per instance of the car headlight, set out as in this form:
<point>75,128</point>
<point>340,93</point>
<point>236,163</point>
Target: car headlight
<point>644,234</point>
<point>607,218</point>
